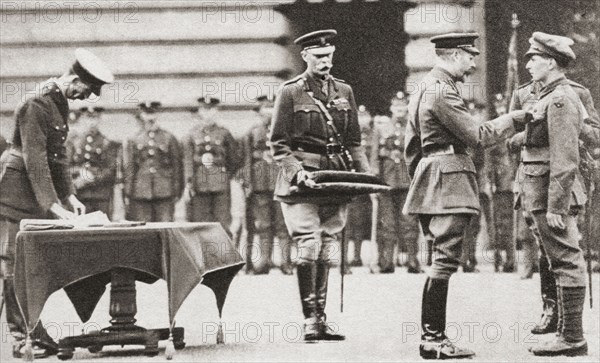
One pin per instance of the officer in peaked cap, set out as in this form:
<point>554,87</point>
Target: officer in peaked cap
<point>93,159</point>
<point>264,218</point>
<point>303,139</point>
<point>443,193</point>
<point>39,184</point>
<point>464,41</point>
<point>550,186</point>
<point>91,70</point>
<point>212,157</point>
<point>153,169</point>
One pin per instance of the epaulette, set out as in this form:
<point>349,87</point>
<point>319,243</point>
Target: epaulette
<point>339,80</point>
<point>293,80</point>
<point>575,84</point>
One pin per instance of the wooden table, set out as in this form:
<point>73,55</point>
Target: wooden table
<point>84,261</point>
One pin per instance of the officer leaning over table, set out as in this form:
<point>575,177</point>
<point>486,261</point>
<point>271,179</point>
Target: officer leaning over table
<point>35,181</point>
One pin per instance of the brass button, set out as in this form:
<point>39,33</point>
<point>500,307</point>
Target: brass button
<point>151,134</point>
<point>87,156</point>
<point>151,152</point>
<point>89,139</point>
<point>153,170</point>
<point>151,143</point>
<point>88,147</point>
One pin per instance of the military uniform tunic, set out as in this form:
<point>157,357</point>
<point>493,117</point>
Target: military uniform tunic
<point>34,175</point>
<point>263,214</point>
<point>212,156</point>
<point>444,191</point>
<point>393,227</point>
<point>153,176</point>
<point>549,179</point>
<point>94,165</point>
<point>299,139</point>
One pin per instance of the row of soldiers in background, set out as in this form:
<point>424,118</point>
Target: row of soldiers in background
<point>156,171</point>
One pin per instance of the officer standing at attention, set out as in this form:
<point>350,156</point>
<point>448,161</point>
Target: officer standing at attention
<point>551,187</point>
<point>444,191</point>
<point>212,157</point>
<point>315,127</point>
<point>395,229</point>
<point>93,160</point>
<point>35,181</point>
<point>264,216</point>
<point>153,169</point>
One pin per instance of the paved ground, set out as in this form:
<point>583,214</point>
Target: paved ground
<point>491,313</point>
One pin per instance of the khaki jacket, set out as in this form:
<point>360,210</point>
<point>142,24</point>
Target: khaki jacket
<point>438,119</point>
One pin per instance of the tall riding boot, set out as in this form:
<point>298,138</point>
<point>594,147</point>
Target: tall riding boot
<point>434,343</point>
<point>307,274</point>
<point>549,317</point>
<point>326,333</point>
<point>569,340</point>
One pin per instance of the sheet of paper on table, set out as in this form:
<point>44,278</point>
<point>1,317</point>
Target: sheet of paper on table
<point>94,219</point>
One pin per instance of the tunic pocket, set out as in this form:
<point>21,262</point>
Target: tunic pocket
<point>307,120</point>
<point>459,183</point>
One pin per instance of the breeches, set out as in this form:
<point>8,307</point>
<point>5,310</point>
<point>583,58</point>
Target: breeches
<point>447,231</point>
<point>313,227</point>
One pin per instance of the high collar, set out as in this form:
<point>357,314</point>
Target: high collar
<point>315,85</point>
<point>53,90</point>
<point>443,74</point>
